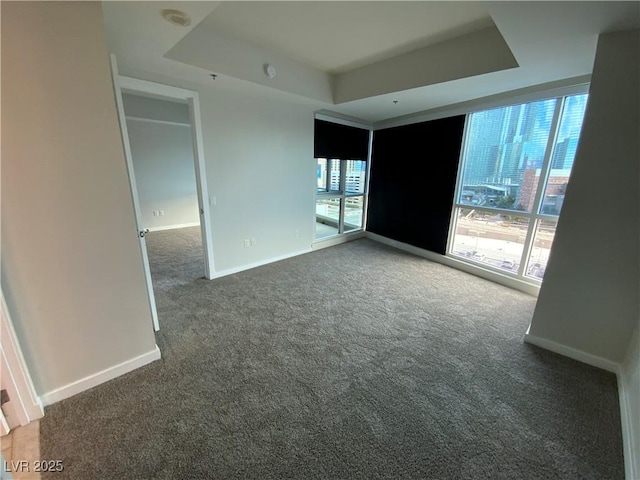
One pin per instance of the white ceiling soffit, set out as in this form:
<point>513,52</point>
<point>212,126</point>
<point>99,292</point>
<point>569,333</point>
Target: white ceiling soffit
<point>549,41</point>
<point>472,54</point>
<point>137,33</point>
<point>236,57</point>
<point>553,43</point>
<point>336,37</point>
<point>337,52</point>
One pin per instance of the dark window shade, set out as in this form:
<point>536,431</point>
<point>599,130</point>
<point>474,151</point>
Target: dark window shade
<point>413,179</point>
<point>332,140</point>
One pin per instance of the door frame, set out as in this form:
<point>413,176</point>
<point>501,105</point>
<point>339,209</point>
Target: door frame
<point>137,86</point>
<point>26,404</point>
<point>126,84</point>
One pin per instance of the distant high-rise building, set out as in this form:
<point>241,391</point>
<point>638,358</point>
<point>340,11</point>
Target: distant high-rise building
<point>355,172</point>
<point>355,175</point>
<point>564,154</point>
<point>504,142</point>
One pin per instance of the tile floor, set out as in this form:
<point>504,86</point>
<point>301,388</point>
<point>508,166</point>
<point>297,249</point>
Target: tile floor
<point>21,450</point>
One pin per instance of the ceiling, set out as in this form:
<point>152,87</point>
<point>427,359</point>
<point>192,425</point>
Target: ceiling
<point>339,36</point>
<point>369,60</point>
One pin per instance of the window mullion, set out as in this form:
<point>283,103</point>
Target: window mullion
<point>327,180</point>
<point>542,182</point>
<point>453,224</point>
<point>343,191</point>
<point>528,245</point>
<point>545,170</point>
<point>365,199</point>
<point>463,159</point>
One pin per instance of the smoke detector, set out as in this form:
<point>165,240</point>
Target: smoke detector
<point>269,70</point>
<point>176,17</point>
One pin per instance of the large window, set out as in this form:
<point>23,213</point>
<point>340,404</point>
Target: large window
<point>340,196</point>
<point>515,169</point>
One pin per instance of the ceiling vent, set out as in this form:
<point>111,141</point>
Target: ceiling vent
<point>176,17</point>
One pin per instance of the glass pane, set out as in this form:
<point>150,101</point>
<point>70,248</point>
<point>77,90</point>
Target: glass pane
<point>327,217</point>
<point>353,209</point>
<point>355,176</point>
<point>564,153</point>
<point>322,174</point>
<point>335,175</point>
<point>542,242</point>
<point>496,239</point>
<point>505,148</point>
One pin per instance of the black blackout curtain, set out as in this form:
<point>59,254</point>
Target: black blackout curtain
<point>413,180</point>
<point>332,140</point>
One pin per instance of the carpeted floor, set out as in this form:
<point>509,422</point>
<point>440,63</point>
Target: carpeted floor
<point>356,361</point>
<point>176,257</point>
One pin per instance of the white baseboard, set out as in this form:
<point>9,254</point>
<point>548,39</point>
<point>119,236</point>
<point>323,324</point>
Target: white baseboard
<point>330,242</point>
<point>337,240</point>
<point>100,377</point>
<point>231,271</point>
<point>505,280</point>
<point>629,394</point>
<point>630,431</point>
<point>173,227</point>
<point>573,353</point>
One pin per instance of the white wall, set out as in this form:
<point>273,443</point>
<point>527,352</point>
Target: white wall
<point>146,107</point>
<point>630,406</point>
<point>589,298</point>
<point>162,156</point>
<point>261,171</point>
<point>71,263</point>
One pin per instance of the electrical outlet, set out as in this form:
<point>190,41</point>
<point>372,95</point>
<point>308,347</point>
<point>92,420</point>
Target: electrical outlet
<point>161,213</point>
<point>246,243</point>
<point>155,213</point>
<point>253,242</point>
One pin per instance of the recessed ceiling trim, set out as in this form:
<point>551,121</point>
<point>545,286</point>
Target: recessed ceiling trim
<point>473,54</point>
<point>571,86</point>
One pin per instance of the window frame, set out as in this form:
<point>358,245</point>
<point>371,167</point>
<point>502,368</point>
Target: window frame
<point>342,194</point>
<point>535,216</point>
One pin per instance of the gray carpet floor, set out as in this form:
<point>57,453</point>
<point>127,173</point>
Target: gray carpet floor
<point>356,361</point>
<point>176,258</point>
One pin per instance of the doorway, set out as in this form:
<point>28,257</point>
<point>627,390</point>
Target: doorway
<point>162,154</point>
<point>143,92</point>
